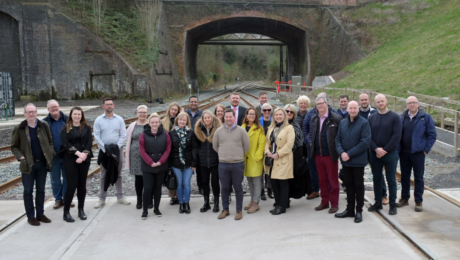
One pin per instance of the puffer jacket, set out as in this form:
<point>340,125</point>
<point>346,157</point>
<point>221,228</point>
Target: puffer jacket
<point>207,157</point>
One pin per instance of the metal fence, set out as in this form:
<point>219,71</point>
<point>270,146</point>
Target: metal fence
<point>6,95</point>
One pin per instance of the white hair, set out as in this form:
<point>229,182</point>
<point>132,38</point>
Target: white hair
<point>267,105</point>
<point>318,98</point>
<point>303,98</point>
<point>51,101</point>
<point>141,106</point>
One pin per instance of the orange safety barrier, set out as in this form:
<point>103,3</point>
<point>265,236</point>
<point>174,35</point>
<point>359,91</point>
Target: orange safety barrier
<point>285,88</point>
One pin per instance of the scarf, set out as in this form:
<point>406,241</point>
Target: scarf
<point>182,133</point>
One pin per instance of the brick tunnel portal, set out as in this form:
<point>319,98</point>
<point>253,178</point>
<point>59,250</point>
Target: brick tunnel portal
<point>10,60</point>
<point>295,39</point>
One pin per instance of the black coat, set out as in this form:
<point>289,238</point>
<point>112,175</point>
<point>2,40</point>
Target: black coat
<point>190,153</point>
<point>69,141</point>
<point>332,128</point>
<point>110,163</point>
<point>241,114</point>
<point>207,156</point>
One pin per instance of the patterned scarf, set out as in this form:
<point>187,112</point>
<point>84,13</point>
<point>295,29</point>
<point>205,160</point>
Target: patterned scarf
<point>182,133</point>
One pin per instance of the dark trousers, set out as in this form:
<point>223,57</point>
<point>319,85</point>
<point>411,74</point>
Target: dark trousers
<point>37,177</point>
<point>76,175</point>
<point>139,185</point>
<point>415,162</point>
<point>152,184</point>
<point>390,161</point>
<point>313,172</point>
<point>281,192</point>
<point>354,182</point>
<point>231,173</point>
<point>384,185</point>
<point>198,177</point>
<point>211,173</point>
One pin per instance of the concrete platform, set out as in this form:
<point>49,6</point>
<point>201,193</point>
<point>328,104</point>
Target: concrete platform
<point>10,209</point>
<point>41,113</point>
<point>117,232</point>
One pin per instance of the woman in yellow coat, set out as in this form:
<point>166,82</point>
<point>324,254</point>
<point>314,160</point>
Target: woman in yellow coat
<point>253,163</point>
<point>278,146</point>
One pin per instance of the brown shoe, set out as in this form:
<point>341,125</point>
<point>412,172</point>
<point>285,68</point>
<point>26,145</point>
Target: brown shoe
<point>254,207</point>
<point>33,222</point>
<point>44,219</point>
<point>385,201</point>
<point>223,214</point>
<point>313,195</point>
<point>239,215</point>
<point>72,205</point>
<point>333,210</point>
<point>58,204</point>
<point>402,202</point>
<point>321,207</point>
<point>418,206</point>
<point>249,205</point>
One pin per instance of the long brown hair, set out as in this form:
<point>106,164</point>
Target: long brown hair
<point>83,122</point>
<point>223,109</point>
<point>256,121</point>
<point>166,121</point>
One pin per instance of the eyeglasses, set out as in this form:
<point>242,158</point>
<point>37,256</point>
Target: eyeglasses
<point>320,104</point>
<point>267,110</point>
<point>142,113</point>
<point>31,112</point>
<point>412,103</point>
<point>251,114</point>
<point>289,112</point>
<point>108,105</point>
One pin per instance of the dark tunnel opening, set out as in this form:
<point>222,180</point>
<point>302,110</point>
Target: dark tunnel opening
<point>10,58</point>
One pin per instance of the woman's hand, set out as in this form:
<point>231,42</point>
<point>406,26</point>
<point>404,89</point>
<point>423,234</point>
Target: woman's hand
<point>155,164</point>
<point>79,160</point>
<point>269,155</point>
<point>81,155</point>
<point>193,168</point>
<point>275,156</point>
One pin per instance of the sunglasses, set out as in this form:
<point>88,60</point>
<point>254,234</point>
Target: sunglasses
<point>267,110</point>
<point>289,112</point>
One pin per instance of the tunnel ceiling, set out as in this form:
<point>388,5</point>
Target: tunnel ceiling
<point>277,30</point>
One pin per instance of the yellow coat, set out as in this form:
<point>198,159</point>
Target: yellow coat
<point>283,167</point>
<point>253,160</point>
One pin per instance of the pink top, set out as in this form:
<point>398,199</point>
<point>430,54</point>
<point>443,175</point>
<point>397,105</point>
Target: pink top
<point>321,120</point>
<point>147,158</point>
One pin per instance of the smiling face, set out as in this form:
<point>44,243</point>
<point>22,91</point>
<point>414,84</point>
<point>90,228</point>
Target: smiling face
<point>182,121</point>
<point>193,104</point>
<point>321,105</point>
<point>154,123</point>
<point>266,112</point>
<point>234,100</point>
<point>173,111</point>
<point>30,113</point>
<point>207,119</point>
<point>108,106</point>
<point>353,109</point>
<point>229,119</point>
<point>76,116</point>
<point>53,108</point>
<point>412,104</point>
<point>381,102</point>
<point>364,101</point>
<point>290,113</point>
<point>279,116</point>
<point>303,105</point>
<point>252,114</point>
<point>220,112</point>
<point>142,114</point>
<point>343,103</point>
<point>263,99</point>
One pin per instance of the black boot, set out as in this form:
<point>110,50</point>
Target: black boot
<point>377,206</point>
<point>345,214</point>
<point>139,202</point>
<point>67,217</point>
<point>393,210</point>
<point>187,208</point>
<point>262,195</point>
<point>182,208</point>
<point>279,210</point>
<point>81,214</point>
<point>206,205</point>
<point>270,193</point>
<point>144,215</point>
<point>216,205</point>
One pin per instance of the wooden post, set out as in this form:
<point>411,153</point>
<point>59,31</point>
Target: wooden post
<point>370,98</point>
<point>333,96</point>
<point>442,115</point>
<point>429,109</point>
<point>394,105</point>
<point>353,95</point>
<point>456,134</point>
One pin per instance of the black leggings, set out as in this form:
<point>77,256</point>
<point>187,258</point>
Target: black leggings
<point>139,185</point>
<point>153,183</point>
<point>206,174</point>
<point>76,174</point>
<point>281,192</point>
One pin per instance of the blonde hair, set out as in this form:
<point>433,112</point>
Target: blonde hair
<point>153,115</point>
<point>166,121</point>
<point>285,122</point>
<point>303,98</point>
<point>293,108</point>
<point>180,115</point>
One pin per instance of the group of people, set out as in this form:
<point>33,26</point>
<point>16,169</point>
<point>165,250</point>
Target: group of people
<point>292,152</point>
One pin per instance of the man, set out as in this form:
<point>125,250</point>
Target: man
<point>306,130</point>
<point>110,129</point>
<point>324,130</point>
<point>32,145</point>
<point>343,101</point>
<point>352,143</point>
<point>386,135</point>
<point>231,142</point>
<point>56,120</point>
<point>418,136</point>
<point>195,113</point>
<point>240,111</point>
<point>365,111</point>
<point>263,98</point>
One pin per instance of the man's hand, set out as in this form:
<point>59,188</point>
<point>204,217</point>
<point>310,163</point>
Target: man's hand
<point>424,153</point>
<point>345,157</point>
<point>380,152</point>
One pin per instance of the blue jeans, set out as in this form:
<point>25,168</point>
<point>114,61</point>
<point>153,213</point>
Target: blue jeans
<point>390,161</point>
<point>37,177</point>
<point>415,162</point>
<point>184,189</point>
<point>59,187</point>
<point>313,172</point>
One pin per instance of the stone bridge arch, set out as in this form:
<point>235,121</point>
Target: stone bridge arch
<point>10,50</point>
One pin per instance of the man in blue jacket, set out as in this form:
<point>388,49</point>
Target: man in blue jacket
<point>418,136</point>
<point>352,142</point>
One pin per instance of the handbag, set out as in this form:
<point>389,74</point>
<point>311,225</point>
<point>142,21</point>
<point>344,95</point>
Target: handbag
<point>171,181</point>
<point>269,161</point>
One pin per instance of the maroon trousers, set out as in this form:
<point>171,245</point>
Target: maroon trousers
<point>328,174</point>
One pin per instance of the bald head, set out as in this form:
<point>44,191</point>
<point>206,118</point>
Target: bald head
<point>364,100</point>
<point>412,104</point>
<point>353,109</point>
<point>381,103</point>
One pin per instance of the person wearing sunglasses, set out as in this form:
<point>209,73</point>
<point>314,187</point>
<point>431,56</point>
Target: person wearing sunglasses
<point>265,121</point>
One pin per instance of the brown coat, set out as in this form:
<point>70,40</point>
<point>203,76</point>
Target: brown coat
<point>283,167</point>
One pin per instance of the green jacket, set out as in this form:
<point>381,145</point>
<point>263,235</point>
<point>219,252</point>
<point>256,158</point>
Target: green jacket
<point>20,145</point>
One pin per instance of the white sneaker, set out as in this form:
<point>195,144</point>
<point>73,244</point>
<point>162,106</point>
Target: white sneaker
<point>99,204</point>
<point>124,201</point>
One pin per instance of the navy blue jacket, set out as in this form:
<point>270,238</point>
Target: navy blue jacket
<point>424,133</point>
<point>306,125</point>
<point>354,138</point>
<point>55,128</point>
<point>341,113</point>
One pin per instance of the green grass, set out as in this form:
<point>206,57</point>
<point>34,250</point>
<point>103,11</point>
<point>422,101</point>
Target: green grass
<point>420,52</point>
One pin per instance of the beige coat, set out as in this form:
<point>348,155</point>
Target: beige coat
<point>283,167</point>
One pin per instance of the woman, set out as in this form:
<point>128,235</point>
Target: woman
<point>76,141</point>
<point>208,158</point>
<point>253,164</point>
<point>133,159</point>
<point>265,122</point>
<point>154,147</point>
<point>219,112</point>
<point>168,122</point>
<point>302,102</point>
<point>300,184</point>
<point>183,158</point>
<point>279,142</point>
